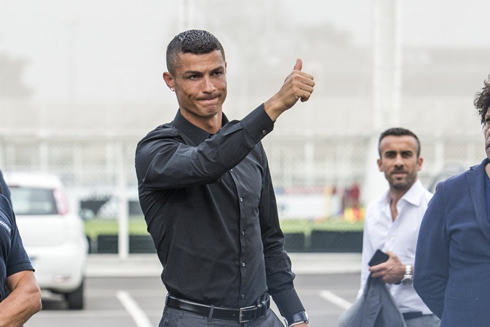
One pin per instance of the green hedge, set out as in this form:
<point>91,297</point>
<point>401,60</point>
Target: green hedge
<point>96,227</point>
<point>137,226</point>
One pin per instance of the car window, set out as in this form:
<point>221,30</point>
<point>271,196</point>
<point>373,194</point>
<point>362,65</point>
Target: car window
<point>33,201</point>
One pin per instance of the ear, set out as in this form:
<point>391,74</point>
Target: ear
<point>380,165</point>
<point>420,161</point>
<point>169,80</point>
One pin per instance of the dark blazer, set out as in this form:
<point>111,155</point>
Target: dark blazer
<point>452,260</point>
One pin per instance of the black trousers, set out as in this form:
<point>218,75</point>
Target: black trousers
<point>179,318</point>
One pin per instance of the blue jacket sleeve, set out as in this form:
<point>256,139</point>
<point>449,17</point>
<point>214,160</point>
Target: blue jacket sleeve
<point>431,269</point>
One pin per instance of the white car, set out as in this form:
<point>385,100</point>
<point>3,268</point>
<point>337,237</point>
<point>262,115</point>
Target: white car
<point>53,236</point>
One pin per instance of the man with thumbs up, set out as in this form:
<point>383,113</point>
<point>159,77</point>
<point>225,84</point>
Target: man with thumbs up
<point>207,196</point>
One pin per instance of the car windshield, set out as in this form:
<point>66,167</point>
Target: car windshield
<point>33,201</point>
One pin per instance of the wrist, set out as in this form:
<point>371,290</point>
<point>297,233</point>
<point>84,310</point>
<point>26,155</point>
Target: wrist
<point>407,276</point>
<point>272,108</point>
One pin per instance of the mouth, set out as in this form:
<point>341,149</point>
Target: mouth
<point>399,174</point>
<point>208,99</point>
<point>209,102</point>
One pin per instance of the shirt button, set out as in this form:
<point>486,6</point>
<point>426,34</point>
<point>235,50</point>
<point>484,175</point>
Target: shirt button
<point>231,170</point>
<point>243,296</point>
<point>243,232</point>
<point>243,264</point>
<point>241,199</point>
<point>264,132</point>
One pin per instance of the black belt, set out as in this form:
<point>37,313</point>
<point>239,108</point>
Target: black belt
<point>241,315</point>
<point>413,315</point>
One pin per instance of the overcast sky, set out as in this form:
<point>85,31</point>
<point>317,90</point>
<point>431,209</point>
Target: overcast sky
<point>424,22</point>
<point>112,50</point>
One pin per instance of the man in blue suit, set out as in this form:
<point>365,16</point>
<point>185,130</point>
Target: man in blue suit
<point>452,261</point>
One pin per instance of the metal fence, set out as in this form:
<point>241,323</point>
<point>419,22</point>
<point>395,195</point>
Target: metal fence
<point>319,183</point>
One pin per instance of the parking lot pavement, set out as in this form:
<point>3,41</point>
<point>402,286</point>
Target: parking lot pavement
<point>129,292</point>
<point>138,301</point>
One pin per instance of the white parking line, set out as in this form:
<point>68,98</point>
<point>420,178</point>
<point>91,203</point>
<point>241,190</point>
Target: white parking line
<point>134,310</point>
<point>335,299</point>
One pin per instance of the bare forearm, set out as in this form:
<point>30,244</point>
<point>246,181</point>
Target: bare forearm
<point>23,302</point>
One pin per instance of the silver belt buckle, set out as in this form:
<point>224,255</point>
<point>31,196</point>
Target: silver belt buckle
<point>240,320</point>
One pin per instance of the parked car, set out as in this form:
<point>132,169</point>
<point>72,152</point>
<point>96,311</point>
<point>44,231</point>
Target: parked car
<point>53,236</point>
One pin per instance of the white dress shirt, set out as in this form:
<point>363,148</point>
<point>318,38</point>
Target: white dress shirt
<point>399,236</point>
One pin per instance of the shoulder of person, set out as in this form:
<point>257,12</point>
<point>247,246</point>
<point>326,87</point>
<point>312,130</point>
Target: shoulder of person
<point>379,201</point>
<point>374,207</point>
<point>454,185</point>
<point>457,179</point>
<point>161,132</point>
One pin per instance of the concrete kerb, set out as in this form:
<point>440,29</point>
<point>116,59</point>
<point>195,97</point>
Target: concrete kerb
<point>147,265</point>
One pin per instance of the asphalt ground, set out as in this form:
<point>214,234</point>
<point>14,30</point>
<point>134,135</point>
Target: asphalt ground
<point>129,292</point>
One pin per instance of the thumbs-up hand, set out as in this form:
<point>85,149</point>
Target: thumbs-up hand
<point>297,85</point>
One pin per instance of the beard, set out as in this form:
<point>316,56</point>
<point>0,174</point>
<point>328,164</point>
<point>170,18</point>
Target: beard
<point>404,184</point>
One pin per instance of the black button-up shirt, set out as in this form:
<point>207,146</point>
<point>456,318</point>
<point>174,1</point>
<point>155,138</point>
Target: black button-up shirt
<point>210,208</point>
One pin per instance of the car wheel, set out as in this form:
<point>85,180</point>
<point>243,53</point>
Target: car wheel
<point>75,298</point>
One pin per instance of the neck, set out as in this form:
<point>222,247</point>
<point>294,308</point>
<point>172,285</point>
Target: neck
<point>209,124</point>
<point>396,195</point>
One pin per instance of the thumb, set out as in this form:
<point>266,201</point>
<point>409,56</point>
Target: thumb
<point>299,64</point>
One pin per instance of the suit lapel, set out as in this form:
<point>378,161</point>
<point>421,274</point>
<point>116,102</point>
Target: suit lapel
<point>476,180</point>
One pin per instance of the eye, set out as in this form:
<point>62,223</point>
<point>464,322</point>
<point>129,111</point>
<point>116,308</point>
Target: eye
<point>406,154</point>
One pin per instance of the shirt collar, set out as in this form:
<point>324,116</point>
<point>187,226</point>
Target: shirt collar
<point>196,134</point>
<point>412,196</point>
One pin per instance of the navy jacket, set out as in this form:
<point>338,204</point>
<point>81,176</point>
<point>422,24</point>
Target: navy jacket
<point>452,261</point>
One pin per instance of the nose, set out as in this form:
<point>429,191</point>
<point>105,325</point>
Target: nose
<point>208,86</point>
<point>399,161</point>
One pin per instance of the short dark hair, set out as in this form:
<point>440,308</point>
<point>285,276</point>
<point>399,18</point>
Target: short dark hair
<point>482,100</point>
<point>191,41</point>
<point>398,131</point>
